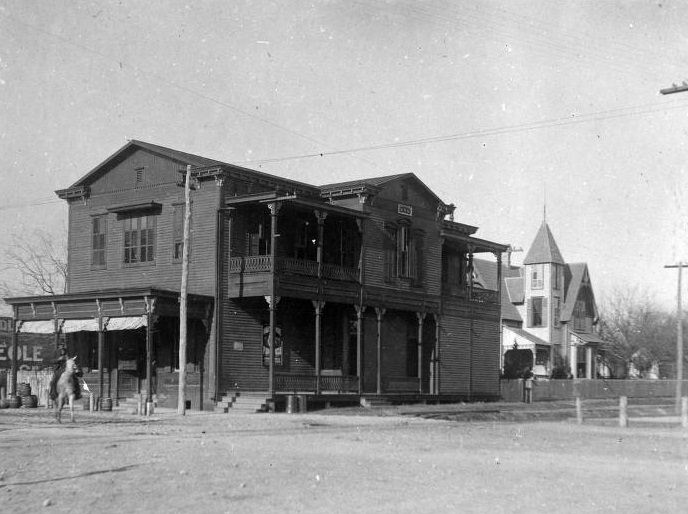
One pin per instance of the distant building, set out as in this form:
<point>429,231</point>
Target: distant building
<point>549,309</point>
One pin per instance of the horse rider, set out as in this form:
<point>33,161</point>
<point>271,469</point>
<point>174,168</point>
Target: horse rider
<point>59,369</point>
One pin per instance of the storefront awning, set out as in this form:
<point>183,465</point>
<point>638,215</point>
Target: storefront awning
<point>80,325</point>
<point>37,327</point>
<point>126,323</point>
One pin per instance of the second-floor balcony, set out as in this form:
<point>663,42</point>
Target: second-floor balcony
<point>263,264</point>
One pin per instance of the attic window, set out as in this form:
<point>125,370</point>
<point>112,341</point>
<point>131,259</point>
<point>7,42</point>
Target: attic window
<point>140,176</point>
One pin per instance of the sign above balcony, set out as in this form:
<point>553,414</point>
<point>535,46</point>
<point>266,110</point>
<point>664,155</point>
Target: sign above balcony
<point>406,210</point>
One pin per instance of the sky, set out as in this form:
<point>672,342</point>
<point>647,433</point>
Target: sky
<point>507,109</point>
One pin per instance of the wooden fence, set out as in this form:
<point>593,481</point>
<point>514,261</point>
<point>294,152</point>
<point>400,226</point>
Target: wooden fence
<point>543,390</point>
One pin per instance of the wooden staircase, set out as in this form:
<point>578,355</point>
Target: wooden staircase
<point>244,401</point>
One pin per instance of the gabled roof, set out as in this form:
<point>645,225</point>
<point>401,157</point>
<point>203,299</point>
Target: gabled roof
<point>544,248</point>
<point>486,272</point>
<point>574,276</point>
<point>375,183</point>
<point>175,155</point>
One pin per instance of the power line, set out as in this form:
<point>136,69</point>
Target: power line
<point>507,129</point>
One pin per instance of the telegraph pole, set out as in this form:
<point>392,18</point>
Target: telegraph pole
<point>679,314</point>
<point>679,336</point>
<point>181,402</point>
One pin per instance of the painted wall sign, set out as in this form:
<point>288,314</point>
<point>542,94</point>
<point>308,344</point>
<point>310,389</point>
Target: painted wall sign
<point>406,210</point>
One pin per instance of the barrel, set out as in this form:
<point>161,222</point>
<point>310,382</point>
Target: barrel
<point>15,401</point>
<point>4,403</point>
<point>29,401</point>
<point>292,404</point>
<point>24,389</point>
<point>106,404</point>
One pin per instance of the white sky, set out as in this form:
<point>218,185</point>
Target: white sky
<point>528,98</point>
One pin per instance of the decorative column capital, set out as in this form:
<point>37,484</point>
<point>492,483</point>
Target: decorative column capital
<point>380,311</point>
<point>421,317</point>
<point>360,309</point>
<point>268,299</point>
<point>274,208</point>
<point>320,216</point>
<point>319,305</point>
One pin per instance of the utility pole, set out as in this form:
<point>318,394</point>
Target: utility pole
<point>679,314</point>
<point>181,403</point>
<point>679,336</point>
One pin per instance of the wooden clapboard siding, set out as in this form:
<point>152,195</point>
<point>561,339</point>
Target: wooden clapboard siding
<point>116,188</point>
<point>485,359</point>
<point>398,326</point>
<point>454,352</point>
<point>241,343</point>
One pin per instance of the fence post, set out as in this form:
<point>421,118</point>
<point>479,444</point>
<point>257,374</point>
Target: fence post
<point>684,411</point>
<point>623,414</point>
<point>579,410</point>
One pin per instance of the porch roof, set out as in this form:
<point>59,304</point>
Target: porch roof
<point>110,302</point>
<point>264,198</point>
<point>588,337</point>
<point>479,245</point>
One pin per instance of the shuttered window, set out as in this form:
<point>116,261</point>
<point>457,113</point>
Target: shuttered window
<point>98,241</point>
<point>537,312</point>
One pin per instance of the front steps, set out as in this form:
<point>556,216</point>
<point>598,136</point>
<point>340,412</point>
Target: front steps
<point>247,402</point>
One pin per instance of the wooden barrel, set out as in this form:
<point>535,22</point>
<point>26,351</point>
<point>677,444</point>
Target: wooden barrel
<point>24,389</point>
<point>15,401</point>
<point>106,404</point>
<point>29,401</point>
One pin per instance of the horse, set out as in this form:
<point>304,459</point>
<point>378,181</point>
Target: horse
<point>68,389</point>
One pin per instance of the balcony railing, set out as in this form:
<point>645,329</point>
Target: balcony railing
<point>262,264</point>
<point>307,383</point>
<point>477,295</point>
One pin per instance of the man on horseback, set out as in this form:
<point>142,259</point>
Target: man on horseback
<point>59,369</point>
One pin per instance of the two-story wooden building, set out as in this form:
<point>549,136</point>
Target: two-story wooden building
<point>363,288</point>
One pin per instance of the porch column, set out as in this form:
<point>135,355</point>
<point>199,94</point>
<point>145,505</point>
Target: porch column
<point>319,305</point>
<point>150,305</point>
<point>101,345</point>
<point>274,211</point>
<point>320,216</point>
<point>437,353</point>
<point>15,337</point>
<point>574,360</point>
<point>360,309</point>
<point>421,319</point>
<point>380,313</point>
<point>588,361</point>
<point>469,270</point>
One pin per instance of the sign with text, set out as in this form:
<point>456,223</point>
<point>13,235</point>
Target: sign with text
<point>406,210</point>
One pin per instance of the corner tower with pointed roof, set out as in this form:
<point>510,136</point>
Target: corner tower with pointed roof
<point>544,288</point>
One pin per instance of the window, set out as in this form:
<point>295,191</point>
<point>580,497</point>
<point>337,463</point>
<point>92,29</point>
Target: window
<point>98,241</point>
<point>556,281</point>
<point>403,252</point>
<point>536,277</point>
<point>537,315</point>
<point>178,232</point>
<point>557,311</point>
<point>139,239</point>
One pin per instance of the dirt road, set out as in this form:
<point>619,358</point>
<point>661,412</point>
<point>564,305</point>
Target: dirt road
<point>112,462</point>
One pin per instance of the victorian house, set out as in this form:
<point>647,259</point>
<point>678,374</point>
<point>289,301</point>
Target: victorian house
<point>343,291</point>
<point>548,310</point>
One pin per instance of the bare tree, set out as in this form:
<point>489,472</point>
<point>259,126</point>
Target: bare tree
<point>637,333</point>
<point>35,264</point>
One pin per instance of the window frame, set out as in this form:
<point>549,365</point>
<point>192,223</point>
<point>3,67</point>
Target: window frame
<point>131,232</point>
<point>537,271</point>
<point>99,221</point>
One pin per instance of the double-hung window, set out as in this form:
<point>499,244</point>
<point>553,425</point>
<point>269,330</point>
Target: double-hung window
<point>98,241</point>
<point>139,239</point>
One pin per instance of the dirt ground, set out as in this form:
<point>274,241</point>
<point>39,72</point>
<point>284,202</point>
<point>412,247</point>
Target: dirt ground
<point>328,462</point>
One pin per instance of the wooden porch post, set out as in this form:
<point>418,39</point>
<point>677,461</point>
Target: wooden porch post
<point>320,216</point>
<point>15,338</point>
<point>421,319</point>
<point>319,305</point>
<point>149,355</point>
<point>499,306</point>
<point>360,309</point>
<point>274,211</point>
<point>101,345</point>
<point>380,313</point>
<point>437,353</point>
